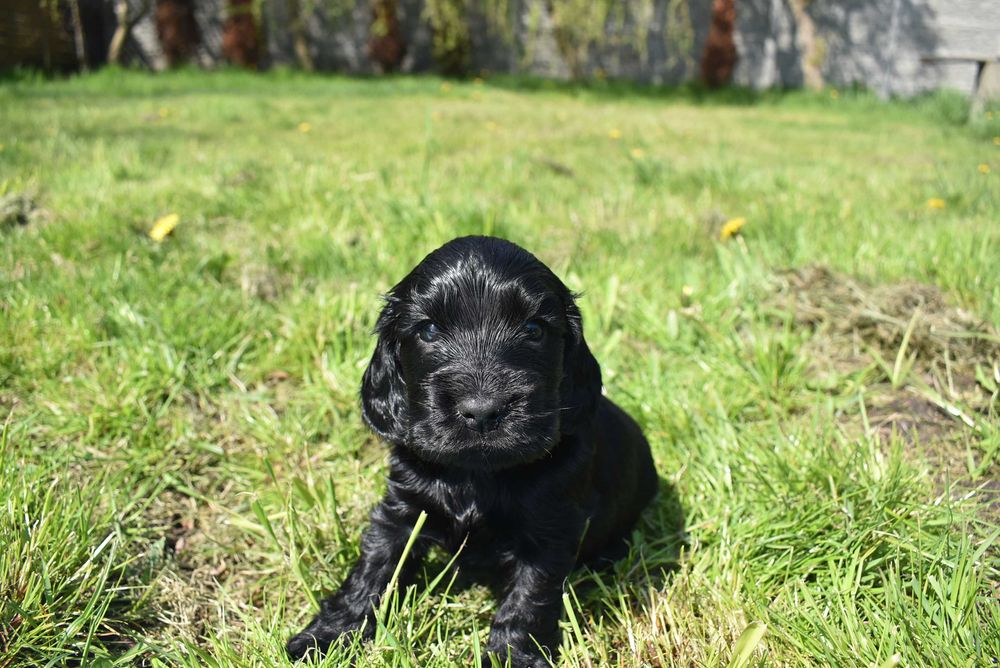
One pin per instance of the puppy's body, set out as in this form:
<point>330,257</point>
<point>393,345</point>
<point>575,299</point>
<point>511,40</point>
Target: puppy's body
<point>588,494</point>
<point>484,386</point>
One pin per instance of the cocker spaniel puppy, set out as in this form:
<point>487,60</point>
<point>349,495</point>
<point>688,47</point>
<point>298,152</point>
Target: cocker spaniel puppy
<point>483,384</point>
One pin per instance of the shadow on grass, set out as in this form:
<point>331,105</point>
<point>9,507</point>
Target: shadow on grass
<point>126,83</point>
<point>646,560</point>
<point>614,89</point>
<point>649,560</point>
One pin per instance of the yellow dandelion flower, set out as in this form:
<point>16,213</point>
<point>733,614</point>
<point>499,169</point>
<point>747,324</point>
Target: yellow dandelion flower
<point>1,148</point>
<point>445,87</point>
<point>732,228</point>
<point>984,168</point>
<point>305,127</point>
<point>637,153</point>
<point>935,203</point>
<point>834,94</point>
<point>476,95</point>
<point>164,226</point>
<point>163,112</point>
<point>478,81</point>
<point>996,140</point>
<point>615,133</point>
<point>436,115</point>
<point>989,115</point>
<point>492,126</point>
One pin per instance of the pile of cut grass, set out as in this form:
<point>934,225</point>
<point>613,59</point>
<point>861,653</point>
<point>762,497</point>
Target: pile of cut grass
<point>183,469</point>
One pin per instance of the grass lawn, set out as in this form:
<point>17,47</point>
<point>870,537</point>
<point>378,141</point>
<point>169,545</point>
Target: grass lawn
<point>183,467</point>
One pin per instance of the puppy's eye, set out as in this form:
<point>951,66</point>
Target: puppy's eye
<point>428,332</point>
<point>534,330</point>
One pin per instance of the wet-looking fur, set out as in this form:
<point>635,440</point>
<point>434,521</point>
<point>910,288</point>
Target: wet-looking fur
<point>483,385</point>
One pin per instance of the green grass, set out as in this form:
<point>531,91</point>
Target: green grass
<point>183,468</point>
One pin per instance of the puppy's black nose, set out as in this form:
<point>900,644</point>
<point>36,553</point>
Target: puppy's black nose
<point>481,413</point>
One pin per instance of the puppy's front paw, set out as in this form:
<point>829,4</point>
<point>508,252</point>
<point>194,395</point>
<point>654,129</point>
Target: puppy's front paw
<point>305,642</point>
<point>326,629</point>
<point>519,658</point>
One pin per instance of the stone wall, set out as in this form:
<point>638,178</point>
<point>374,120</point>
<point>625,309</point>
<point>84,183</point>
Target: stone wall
<point>882,45</point>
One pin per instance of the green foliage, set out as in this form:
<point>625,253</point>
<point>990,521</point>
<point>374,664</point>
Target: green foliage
<point>578,26</point>
<point>679,33</point>
<point>452,41</point>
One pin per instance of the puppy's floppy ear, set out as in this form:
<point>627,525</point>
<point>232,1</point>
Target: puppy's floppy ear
<point>581,383</point>
<point>383,392</point>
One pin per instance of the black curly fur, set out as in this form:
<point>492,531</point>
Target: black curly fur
<point>557,476</point>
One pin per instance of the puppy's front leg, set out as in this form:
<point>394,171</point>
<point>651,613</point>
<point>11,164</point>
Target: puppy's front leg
<point>354,604</point>
<point>529,614</point>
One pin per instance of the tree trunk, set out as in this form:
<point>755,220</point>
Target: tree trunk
<point>121,32</point>
<point>177,30</point>
<point>719,58</point>
<point>812,50</point>
<point>240,36</point>
<point>78,43</point>
<point>385,45</point>
<point>299,10</point>
<point>123,29</point>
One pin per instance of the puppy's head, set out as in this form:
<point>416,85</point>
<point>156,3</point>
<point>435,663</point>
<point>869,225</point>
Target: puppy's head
<point>481,361</point>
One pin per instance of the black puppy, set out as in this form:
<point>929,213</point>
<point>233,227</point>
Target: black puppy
<point>484,386</point>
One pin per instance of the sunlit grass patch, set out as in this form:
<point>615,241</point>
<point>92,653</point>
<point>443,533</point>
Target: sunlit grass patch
<point>796,299</point>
